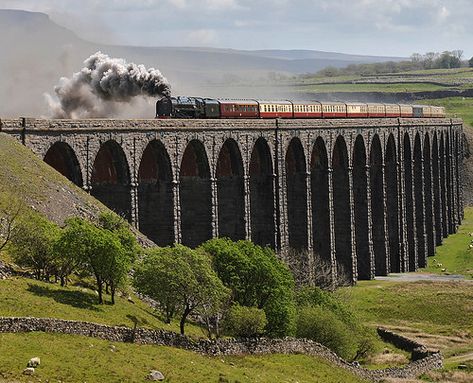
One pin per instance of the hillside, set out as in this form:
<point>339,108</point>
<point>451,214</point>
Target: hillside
<point>25,175</point>
<point>36,52</point>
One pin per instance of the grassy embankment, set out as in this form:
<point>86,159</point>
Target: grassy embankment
<point>79,359</point>
<point>416,81</point>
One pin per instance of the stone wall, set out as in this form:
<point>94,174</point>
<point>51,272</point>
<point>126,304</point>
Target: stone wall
<point>220,347</point>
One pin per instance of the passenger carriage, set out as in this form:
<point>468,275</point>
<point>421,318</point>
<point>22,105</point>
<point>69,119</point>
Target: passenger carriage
<point>238,108</point>
<point>275,109</point>
<point>307,110</point>
<point>357,110</point>
<point>334,110</point>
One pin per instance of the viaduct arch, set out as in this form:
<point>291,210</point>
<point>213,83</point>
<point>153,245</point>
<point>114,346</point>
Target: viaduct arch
<point>367,196</point>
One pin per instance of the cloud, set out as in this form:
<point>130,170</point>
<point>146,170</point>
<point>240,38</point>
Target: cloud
<point>388,27</point>
<point>203,37</point>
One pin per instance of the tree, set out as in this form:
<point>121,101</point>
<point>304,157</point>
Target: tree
<point>121,229</point>
<point>98,250</point>
<point>118,226</point>
<point>470,62</point>
<point>257,278</point>
<point>32,247</point>
<point>10,211</point>
<point>180,280</point>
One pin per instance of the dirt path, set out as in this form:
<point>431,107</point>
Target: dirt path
<point>414,277</point>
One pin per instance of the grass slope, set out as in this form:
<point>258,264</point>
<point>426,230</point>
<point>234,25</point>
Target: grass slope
<point>438,314</point>
<point>455,255</point>
<point>80,359</point>
<point>415,81</point>
<point>28,297</point>
<point>24,175</point>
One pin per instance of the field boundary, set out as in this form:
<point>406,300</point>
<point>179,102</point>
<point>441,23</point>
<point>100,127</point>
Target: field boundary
<point>221,347</point>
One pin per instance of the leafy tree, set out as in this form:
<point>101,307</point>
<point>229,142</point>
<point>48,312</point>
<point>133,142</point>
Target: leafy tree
<point>256,278</point>
<point>121,229</point>
<point>98,250</point>
<point>11,210</point>
<point>180,280</point>
<point>117,225</point>
<point>32,247</point>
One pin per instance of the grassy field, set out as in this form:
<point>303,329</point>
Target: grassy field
<point>437,314</point>
<point>71,359</point>
<point>415,81</point>
<point>389,88</point>
<point>455,106</point>
<point>455,255</point>
<point>28,297</point>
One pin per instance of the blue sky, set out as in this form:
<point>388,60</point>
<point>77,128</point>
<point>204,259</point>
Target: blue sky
<point>377,27</point>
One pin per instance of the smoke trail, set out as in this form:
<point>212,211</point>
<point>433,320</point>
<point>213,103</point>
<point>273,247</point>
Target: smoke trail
<point>99,88</point>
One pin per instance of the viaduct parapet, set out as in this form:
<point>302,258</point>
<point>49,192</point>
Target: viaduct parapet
<point>368,196</point>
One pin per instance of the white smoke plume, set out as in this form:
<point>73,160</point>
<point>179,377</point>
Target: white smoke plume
<point>104,83</point>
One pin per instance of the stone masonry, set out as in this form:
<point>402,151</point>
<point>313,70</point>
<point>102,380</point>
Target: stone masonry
<point>369,196</point>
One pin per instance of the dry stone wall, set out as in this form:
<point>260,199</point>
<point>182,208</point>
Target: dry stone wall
<point>219,347</point>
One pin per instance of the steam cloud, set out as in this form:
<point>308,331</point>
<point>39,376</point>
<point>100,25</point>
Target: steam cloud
<point>99,88</point>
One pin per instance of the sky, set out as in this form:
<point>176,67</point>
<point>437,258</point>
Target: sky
<point>370,27</point>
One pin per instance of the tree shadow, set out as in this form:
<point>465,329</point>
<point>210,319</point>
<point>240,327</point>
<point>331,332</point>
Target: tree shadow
<point>78,299</point>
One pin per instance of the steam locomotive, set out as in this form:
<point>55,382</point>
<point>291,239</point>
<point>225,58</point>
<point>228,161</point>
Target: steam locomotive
<point>197,107</point>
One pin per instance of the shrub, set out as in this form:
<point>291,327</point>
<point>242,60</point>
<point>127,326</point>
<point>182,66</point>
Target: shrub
<point>364,337</point>
<point>323,326</point>
<point>245,322</point>
<point>315,296</point>
<point>32,246</point>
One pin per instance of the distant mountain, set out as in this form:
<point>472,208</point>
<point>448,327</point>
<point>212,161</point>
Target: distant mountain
<point>36,52</point>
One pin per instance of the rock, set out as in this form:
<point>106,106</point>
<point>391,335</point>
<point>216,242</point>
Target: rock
<point>28,371</point>
<point>113,348</point>
<point>130,300</point>
<point>155,375</point>
<point>462,366</point>
<point>34,362</point>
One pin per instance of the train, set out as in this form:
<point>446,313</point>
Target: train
<point>199,107</point>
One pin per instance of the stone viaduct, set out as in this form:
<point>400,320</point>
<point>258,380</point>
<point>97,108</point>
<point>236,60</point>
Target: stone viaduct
<point>367,196</point>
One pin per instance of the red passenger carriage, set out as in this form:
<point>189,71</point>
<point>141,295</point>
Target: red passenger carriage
<point>239,108</point>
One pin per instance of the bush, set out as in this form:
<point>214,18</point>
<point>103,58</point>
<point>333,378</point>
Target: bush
<point>323,326</point>
<point>245,322</point>
<point>363,337</point>
<point>315,296</point>
<point>32,246</point>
